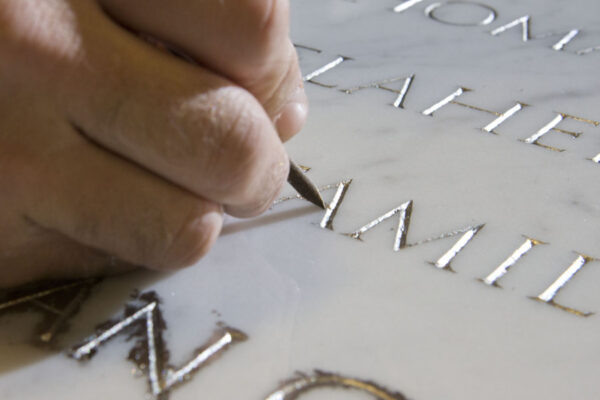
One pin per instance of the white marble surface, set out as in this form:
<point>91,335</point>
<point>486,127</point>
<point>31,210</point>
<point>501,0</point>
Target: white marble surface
<point>309,298</point>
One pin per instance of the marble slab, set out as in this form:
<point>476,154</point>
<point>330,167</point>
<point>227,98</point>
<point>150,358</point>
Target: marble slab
<point>461,262</point>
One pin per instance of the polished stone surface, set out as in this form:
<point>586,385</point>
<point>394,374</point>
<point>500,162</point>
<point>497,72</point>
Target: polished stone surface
<point>312,298</point>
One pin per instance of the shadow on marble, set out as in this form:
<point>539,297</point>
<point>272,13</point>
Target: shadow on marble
<point>269,219</point>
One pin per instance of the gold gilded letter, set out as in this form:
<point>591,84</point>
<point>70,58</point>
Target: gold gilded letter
<point>333,207</point>
<point>552,126</point>
<point>399,102</point>
<point>468,234</point>
<point>548,295</point>
<point>502,269</point>
<point>405,212</point>
<point>525,23</point>
<point>490,128</point>
<point>305,383</point>
<point>149,352</point>
<point>310,77</point>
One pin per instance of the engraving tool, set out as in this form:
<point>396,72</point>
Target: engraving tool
<point>304,186</point>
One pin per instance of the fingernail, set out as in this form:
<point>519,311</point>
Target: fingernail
<point>293,115</point>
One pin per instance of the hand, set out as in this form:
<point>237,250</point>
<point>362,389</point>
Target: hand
<point>114,152</point>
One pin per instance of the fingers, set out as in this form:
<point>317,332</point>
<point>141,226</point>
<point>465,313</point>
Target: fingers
<point>101,201</point>
<point>180,121</point>
<point>245,40</point>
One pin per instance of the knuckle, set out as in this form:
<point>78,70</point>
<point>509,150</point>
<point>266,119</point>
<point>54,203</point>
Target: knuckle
<point>39,28</point>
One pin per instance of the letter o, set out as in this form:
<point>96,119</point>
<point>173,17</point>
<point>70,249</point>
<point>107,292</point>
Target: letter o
<point>432,9</point>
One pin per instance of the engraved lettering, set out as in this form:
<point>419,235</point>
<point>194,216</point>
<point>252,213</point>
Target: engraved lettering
<point>430,12</point>
<point>502,269</point>
<point>501,117</point>
<point>59,304</point>
<point>319,379</point>
<point>405,211</point>
<point>458,92</point>
<point>400,240</point>
<point>310,77</point>
<point>525,23</point>
<point>401,94</point>
<point>150,353</point>
<point>405,5</point>
<point>334,205</point>
<point>444,261</point>
<point>548,295</point>
<point>345,183</point>
<point>560,45</point>
<point>552,126</point>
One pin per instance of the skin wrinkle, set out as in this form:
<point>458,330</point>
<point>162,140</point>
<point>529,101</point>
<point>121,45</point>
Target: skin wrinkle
<point>45,29</point>
<point>189,116</point>
<point>236,145</point>
<point>268,34</point>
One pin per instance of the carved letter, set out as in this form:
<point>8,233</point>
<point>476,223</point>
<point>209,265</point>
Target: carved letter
<point>490,128</point>
<point>444,261</point>
<point>333,207</point>
<point>150,353</point>
<point>458,92</point>
<point>502,117</point>
<point>548,295</point>
<point>405,213</point>
<point>305,383</point>
<point>502,269</point>
<point>551,126</point>
<point>310,77</point>
<point>58,304</point>
<point>405,5</point>
<point>430,12</point>
<point>525,23</point>
<point>399,102</point>
<point>558,46</point>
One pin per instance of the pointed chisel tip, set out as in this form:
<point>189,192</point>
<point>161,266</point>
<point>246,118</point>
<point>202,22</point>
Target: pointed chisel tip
<point>304,186</point>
